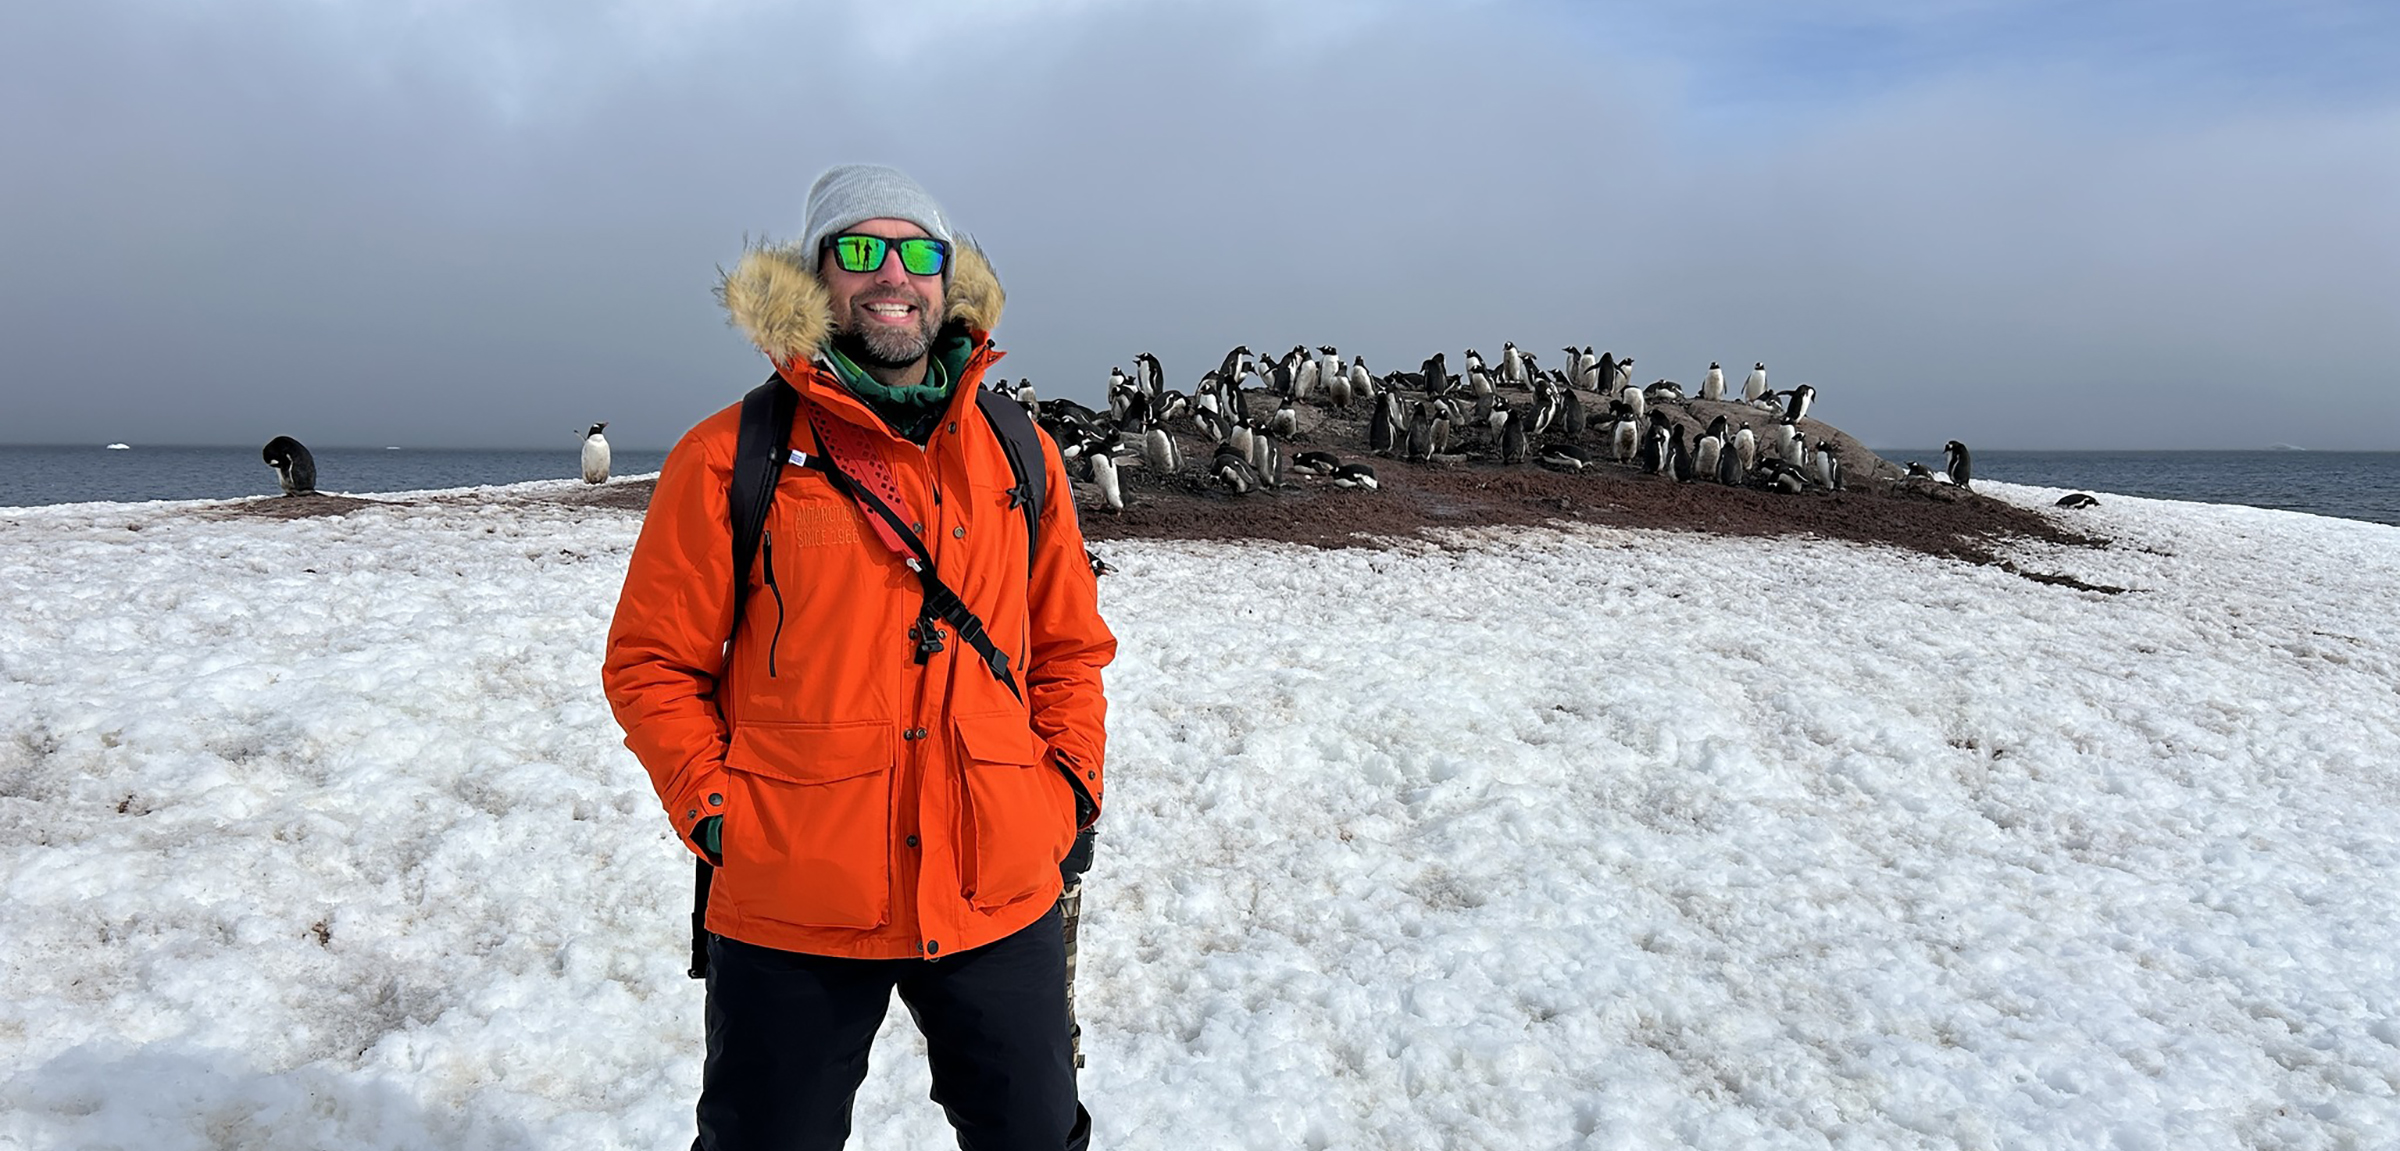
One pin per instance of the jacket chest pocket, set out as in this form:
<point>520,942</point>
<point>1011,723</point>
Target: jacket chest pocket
<point>1019,816</point>
<point>808,837</point>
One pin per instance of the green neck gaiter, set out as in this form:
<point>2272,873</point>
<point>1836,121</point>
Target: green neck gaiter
<point>912,410</point>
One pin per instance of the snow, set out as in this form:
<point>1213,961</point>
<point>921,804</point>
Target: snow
<point>318,833</point>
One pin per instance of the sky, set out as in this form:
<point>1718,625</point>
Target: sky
<point>488,223</point>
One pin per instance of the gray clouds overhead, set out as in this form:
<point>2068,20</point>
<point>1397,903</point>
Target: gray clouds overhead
<point>452,224</point>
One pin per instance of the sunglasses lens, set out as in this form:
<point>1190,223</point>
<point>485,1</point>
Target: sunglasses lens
<point>923,257</point>
<point>858,253</point>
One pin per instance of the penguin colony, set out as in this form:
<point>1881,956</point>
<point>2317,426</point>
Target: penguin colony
<point>1251,413</point>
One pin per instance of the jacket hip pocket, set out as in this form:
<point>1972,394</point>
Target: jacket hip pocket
<point>1019,818</point>
<point>809,840</point>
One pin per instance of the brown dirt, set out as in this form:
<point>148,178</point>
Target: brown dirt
<point>1473,490</point>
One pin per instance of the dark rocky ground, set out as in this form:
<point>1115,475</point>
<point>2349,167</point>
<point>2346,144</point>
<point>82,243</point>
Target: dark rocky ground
<point>1471,489</point>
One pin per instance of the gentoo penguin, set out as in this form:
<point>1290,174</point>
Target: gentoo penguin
<point>1355,476</point>
<point>296,470</point>
<point>2078,500</point>
<point>1239,438</point>
<point>1104,474</point>
<point>1624,376</point>
<point>1787,443</point>
<point>1286,419</point>
<point>1712,385</point>
<point>1337,388</point>
<point>1796,406</point>
<point>1960,465</point>
<point>1233,473</point>
<point>1604,377</point>
<point>1236,365</point>
<point>1564,457</point>
<point>1655,459</point>
<point>1316,463</point>
<point>1634,399</point>
<point>1512,438</point>
<point>1266,458</point>
<point>1512,364</point>
<point>1570,412</point>
<point>1625,438</point>
<point>1917,471</point>
<point>1729,467</point>
<point>1663,392</point>
<point>1160,453</point>
<point>595,455</point>
<point>1829,466</point>
<point>1304,380</point>
<point>1149,375</point>
<point>1420,432</point>
<point>1704,457</point>
<point>1441,430</point>
<point>1362,381</point>
<point>1756,384</point>
<point>1679,458</point>
<point>1383,428</point>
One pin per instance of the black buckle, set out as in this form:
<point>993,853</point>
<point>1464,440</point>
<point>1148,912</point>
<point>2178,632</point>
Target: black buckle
<point>929,639</point>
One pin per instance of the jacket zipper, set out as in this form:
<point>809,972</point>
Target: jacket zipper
<point>767,542</point>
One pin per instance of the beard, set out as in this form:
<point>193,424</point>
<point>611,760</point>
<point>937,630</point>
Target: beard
<point>880,345</point>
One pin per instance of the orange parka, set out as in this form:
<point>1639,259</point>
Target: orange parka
<point>874,807</point>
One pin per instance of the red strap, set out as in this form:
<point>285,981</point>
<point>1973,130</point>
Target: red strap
<point>854,451</point>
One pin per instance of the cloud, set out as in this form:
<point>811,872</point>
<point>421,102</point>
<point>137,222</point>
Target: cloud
<point>481,224</point>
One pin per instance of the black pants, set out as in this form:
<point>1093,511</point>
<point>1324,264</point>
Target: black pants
<point>788,1036</point>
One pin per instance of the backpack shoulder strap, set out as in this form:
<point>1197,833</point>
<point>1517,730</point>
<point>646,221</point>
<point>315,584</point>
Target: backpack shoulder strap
<point>1023,446</point>
<point>758,455</point>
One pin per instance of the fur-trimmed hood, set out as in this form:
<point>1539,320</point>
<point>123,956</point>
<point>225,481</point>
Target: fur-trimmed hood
<point>774,296</point>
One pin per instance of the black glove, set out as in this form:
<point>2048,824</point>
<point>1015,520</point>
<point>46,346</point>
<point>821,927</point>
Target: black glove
<point>1079,857</point>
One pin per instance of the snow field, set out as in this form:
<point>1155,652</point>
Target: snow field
<point>1562,838</point>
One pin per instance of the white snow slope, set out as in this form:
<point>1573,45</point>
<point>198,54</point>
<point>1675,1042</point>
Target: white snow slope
<point>318,833</point>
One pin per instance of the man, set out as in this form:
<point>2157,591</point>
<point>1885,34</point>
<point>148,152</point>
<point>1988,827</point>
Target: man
<point>887,811</point>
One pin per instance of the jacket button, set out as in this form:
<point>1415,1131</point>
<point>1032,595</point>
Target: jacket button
<point>912,841</point>
<point>954,427</point>
<point>692,814</point>
<point>933,947</point>
<point>716,801</point>
<point>959,532</point>
<point>917,528</point>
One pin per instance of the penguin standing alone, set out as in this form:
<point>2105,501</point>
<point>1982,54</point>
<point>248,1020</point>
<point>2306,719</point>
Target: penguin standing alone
<point>1712,385</point>
<point>294,468</point>
<point>1755,385</point>
<point>1958,463</point>
<point>595,455</point>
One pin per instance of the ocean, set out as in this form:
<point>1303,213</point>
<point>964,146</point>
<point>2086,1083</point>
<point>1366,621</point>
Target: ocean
<point>2350,485</point>
<point>31,476</point>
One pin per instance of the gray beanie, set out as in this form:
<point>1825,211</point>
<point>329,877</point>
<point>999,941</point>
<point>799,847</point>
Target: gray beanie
<point>850,193</point>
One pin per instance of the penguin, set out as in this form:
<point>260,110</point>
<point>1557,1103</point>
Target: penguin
<point>595,455</point>
<point>1570,412</point>
<point>1316,463</point>
<point>1104,474</point>
<point>1304,380</point>
<point>1286,419</point>
<point>1756,384</point>
<point>1960,465</point>
<point>296,470</point>
<point>1779,476</point>
<point>1654,458</point>
<point>1159,452</point>
<point>1679,458</point>
<point>1025,394</point>
<point>1362,381</point>
<point>1663,392</point>
<point>1787,441</point>
<point>1829,466</point>
<point>1233,473</point>
<point>1704,457</point>
<point>1512,438</point>
<point>1239,439</point>
<point>1634,399</point>
<point>1796,406</point>
<point>1420,432</point>
<point>1338,388</point>
<point>1917,471</point>
<point>2078,500</point>
<point>1625,438</point>
<point>1236,364</point>
<point>1266,458</point>
<point>1745,449</point>
<point>1798,457</point>
<point>1712,385</point>
<point>1120,391</point>
<point>1355,476</point>
<point>1148,375</point>
<point>1604,377</point>
<point>1729,468</point>
<point>1384,425</point>
<point>1564,457</point>
<point>1624,377</point>
<point>1545,407</point>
